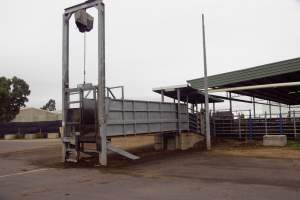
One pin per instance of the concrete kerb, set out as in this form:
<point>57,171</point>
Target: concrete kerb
<point>10,136</point>
<point>31,136</point>
<point>275,140</point>
<point>52,135</point>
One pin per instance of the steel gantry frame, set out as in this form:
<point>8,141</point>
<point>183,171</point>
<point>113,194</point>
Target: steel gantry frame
<point>99,119</point>
<point>101,71</point>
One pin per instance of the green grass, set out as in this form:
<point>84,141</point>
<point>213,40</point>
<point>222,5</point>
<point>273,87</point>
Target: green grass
<point>294,144</point>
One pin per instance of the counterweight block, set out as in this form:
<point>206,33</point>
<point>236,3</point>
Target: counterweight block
<point>84,21</point>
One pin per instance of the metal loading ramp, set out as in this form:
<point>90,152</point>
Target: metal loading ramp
<point>124,117</point>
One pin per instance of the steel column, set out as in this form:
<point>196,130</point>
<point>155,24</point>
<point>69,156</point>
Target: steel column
<point>280,111</point>
<point>65,78</point>
<point>240,132</point>
<point>280,123</point>
<point>162,96</point>
<point>101,83</point>
<point>266,124</point>
<point>250,126</point>
<point>270,109</point>
<point>230,102</point>
<point>178,111</point>
<point>208,142</point>
<point>254,108</point>
<point>295,127</point>
<point>187,112</point>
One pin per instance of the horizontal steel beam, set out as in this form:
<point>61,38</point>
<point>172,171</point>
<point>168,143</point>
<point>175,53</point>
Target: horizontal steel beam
<point>255,87</point>
<point>85,5</point>
<point>245,101</point>
<point>86,88</point>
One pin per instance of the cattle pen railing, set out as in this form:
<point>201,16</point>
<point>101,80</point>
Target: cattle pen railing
<point>246,125</point>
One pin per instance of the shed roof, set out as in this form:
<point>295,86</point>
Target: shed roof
<point>187,93</point>
<point>278,72</point>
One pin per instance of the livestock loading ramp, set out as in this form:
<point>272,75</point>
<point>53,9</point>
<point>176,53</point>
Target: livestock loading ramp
<point>123,117</point>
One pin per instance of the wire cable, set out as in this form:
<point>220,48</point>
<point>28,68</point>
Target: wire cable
<point>84,57</point>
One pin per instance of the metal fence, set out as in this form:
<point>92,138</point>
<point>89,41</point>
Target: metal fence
<point>227,124</point>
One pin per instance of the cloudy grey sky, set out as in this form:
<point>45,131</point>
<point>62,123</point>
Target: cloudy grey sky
<point>148,43</point>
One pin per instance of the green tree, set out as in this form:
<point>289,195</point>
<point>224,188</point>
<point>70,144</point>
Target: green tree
<point>51,105</point>
<point>13,96</point>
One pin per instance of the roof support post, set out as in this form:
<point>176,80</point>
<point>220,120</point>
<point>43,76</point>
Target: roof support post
<point>178,111</point>
<point>187,112</point>
<point>270,109</point>
<point>230,102</point>
<point>162,96</point>
<point>266,124</point>
<point>208,142</point>
<point>280,109</point>
<point>294,123</point>
<point>254,107</point>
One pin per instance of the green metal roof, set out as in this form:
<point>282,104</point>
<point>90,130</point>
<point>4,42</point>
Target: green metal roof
<point>279,72</point>
<point>249,74</point>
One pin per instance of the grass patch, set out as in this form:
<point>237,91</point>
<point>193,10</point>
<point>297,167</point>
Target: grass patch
<point>294,145</point>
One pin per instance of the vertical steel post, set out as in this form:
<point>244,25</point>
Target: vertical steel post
<point>266,124</point>
<point>295,128</point>
<point>240,132</point>
<point>254,108</point>
<point>65,78</point>
<point>250,126</point>
<point>178,111</point>
<point>187,112</point>
<point>122,87</point>
<point>280,123</point>
<point>214,107</point>
<point>270,109</point>
<point>101,83</point>
<point>280,110</point>
<point>162,96</point>
<point>208,142</point>
<point>230,102</point>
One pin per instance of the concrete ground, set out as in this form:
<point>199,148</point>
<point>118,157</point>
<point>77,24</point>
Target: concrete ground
<point>36,173</point>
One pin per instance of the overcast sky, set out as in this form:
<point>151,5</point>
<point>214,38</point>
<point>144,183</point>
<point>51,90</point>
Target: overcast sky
<point>148,43</point>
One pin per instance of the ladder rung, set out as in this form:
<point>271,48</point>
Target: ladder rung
<point>73,102</point>
<point>72,123</point>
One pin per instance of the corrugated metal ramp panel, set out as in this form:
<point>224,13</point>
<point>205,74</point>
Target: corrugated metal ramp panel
<point>272,69</point>
<point>129,117</point>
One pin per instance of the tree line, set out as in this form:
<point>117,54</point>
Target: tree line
<point>14,94</point>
